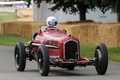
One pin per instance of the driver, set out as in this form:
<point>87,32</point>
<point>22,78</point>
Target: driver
<point>51,23</point>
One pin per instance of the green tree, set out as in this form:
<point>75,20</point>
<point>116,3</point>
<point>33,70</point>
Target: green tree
<point>81,6</point>
<point>111,4</point>
<point>74,6</point>
<point>71,6</point>
<point>114,5</point>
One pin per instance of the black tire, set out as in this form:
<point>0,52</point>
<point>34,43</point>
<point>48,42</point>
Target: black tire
<point>43,60</point>
<point>20,56</point>
<point>101,59</point>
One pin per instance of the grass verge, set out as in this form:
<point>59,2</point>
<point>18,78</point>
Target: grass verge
<point>5,16</point>
<point>86,50</point>
<point>12,39</point>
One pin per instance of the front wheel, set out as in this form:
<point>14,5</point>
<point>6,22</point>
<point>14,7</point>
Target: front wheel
<point>20,56</point>
<point>43,60</point>
<point>101,59</point>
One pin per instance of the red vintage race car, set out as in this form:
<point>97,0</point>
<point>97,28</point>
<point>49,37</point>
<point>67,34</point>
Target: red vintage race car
<point>56,48</point>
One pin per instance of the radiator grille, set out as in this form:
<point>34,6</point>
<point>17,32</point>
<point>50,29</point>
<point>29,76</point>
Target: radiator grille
<point>71,50</point>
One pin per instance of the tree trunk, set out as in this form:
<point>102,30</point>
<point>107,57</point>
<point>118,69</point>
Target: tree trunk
<point>82,12</point>
<point>118,17</point>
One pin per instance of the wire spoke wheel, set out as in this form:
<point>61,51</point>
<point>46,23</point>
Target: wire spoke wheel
<point>43,60</point>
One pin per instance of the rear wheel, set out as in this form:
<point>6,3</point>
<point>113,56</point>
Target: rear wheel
<point>20,56</point>
<point>101,59</point>
<point>43,60</point>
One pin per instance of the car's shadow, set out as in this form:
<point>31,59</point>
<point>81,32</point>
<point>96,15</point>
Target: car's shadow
<point>65,72</point>
<point>75,72</point>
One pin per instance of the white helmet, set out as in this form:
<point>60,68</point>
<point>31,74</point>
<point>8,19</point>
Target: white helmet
<point>51,22</point>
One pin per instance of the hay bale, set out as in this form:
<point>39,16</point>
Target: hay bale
<point>1,29</point>
<point>93,32</point>
<point>26,30</point>
<point>75,31</point>
<point>118,33</point>
<point>11,28</point>
<point>83,33</point>
<point>108,34</point>
<point>26,12</point>
<point>68,28</point>
<point>88,32</point>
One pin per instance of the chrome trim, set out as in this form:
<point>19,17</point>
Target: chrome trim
<point>51,46</point>
<point>34,44</point>
<point>48,46</point>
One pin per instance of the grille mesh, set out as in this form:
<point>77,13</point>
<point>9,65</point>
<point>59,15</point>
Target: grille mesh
<point>71,50</point>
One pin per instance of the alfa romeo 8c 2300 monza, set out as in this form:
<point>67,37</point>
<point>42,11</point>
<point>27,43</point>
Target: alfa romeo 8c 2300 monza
<point>58,49</point>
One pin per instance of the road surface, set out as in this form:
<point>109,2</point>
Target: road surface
<point>9,72</point>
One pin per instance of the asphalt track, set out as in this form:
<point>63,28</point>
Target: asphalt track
<point>9,72</point>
